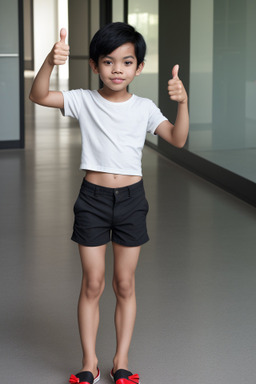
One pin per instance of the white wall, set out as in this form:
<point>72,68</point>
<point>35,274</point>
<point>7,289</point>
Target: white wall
<point>45,29</point>
<point>95,24</point>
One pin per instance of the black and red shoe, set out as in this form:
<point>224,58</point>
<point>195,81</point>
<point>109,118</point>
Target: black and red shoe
<point>121,376</point>
<point>84,377</point>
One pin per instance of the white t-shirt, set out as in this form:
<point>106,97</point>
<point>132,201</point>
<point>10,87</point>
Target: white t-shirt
<point>113,134</point>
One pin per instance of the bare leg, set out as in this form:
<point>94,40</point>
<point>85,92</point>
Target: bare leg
<point>93,281</point>
<point>125,263</point>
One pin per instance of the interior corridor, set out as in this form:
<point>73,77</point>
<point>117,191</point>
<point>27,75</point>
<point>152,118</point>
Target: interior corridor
<point>196,279</point>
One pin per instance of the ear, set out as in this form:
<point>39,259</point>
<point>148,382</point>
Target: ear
<point>139,69</point>
<point>93,66</point>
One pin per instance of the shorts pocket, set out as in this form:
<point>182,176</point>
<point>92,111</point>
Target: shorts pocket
<point>146,205</point>
<point>77,205</point>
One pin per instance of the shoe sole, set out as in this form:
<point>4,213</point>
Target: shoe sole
<point>97,378</point>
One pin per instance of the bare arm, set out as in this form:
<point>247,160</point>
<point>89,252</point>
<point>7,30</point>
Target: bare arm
<point>40,92</point>
<point>176,134</point>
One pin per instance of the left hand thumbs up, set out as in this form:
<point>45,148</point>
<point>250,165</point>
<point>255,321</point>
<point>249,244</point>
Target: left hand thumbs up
<point>176,88</point>
<point>175,71</point>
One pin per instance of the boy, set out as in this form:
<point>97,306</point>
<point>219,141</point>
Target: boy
<point>113,125</point>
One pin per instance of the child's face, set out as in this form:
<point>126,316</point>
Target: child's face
<point>118,69</point>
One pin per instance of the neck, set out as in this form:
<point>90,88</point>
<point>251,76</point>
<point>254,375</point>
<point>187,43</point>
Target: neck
<point>113,96</point>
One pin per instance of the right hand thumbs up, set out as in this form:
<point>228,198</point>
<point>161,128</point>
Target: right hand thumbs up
<point>60,51</point>
<point>63,35</point>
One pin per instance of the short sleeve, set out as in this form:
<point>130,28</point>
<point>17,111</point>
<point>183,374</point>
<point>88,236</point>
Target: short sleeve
<point>72,103</point>
<point>155,118</point>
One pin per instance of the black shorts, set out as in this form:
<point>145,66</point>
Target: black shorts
<point>117,214</point>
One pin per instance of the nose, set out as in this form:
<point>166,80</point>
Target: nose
<point>117,69</point>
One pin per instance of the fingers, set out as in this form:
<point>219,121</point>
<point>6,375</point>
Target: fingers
<point>176,88</point>
<point>61,49</point>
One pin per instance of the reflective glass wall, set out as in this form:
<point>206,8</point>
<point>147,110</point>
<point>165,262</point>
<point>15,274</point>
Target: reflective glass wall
<point>143,15</point>
<point>11,56</point>
<point>223,84</point>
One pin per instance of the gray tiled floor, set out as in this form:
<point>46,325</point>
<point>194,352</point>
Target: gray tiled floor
<point>196,280</point>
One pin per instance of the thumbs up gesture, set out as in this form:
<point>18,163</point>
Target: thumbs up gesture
<point>176,88</point>
<point>60,51</point>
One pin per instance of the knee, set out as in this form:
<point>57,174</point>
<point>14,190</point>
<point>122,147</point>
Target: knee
<point>124,288</point>
<point>93,287</point>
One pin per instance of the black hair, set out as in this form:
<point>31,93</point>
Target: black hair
<point>112,36</point>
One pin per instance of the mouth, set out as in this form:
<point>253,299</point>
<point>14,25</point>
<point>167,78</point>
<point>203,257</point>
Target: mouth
<point>117,80</point>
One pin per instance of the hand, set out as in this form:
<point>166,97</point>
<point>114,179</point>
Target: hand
<point>176,88</point>
<point>60,52</point>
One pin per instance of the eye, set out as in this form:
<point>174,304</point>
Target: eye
<point>128,62</point>
<point>107,62</point>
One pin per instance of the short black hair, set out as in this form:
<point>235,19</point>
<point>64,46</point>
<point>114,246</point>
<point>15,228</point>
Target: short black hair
<point>112,36</point>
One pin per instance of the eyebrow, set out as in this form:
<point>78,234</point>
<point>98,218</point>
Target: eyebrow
<point>124,58</point>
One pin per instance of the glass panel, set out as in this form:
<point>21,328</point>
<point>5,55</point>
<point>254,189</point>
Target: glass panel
<point>9,96</point>
<point>143,15</point>
<point>223,84</point>
<point>117,10</point>
<point>9,27</point>
<point>9,71</point>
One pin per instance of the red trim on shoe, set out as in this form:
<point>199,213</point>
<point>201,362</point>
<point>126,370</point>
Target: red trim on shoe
<point>134,379</point>
<point>73,379</point>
